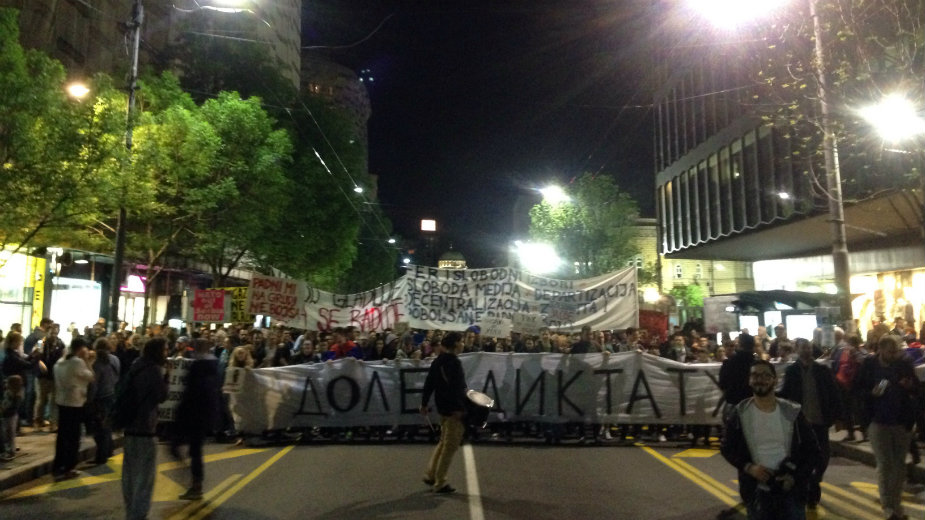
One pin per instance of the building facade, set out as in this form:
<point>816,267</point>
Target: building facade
<point>731,184</point>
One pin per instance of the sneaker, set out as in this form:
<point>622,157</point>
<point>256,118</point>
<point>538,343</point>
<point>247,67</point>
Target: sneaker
<point>662,438</point>
<point>193,493</point>
<point>446,489</point>
<point>428,481</point>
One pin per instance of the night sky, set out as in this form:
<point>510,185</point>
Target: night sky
<point>477,103</point>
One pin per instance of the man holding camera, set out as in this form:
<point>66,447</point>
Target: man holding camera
<point>773,446</point>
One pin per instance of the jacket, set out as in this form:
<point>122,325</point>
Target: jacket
<point>148,383</point>
<point>198,410</point>
<point>804,449</point>
<point>733,376</point>
<point>827,389</point>
<point>447,383</point>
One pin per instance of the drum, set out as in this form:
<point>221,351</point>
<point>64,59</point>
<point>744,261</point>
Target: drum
<point>479,405</point>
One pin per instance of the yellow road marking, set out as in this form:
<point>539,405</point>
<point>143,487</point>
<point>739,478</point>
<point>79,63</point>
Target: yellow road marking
<point>211,494</point>
<point>696,453</point>
<point>710,480</point>
<point>212,505</point>
<point>165,488</point>
<point>845,506</point>
<point>694,476</point>
<point>871,489</point>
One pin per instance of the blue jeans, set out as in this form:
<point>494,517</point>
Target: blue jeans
<point>139,468</point>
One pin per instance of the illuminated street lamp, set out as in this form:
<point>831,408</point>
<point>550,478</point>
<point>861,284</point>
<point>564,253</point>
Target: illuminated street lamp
<point>894,118</point>
<point>719,12</point>
<point>555,195</point>
<point>537,258</point>
<point>77,90</point>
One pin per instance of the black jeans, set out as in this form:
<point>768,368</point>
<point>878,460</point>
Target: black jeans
<point>102,433</point>
<point>822,437</point>
<point>67,444</point>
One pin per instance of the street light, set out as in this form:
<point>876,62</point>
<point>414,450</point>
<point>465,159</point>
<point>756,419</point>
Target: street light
<point>829,146</point>
<point>77,90</point>
<point>555,195</point>
<point>897,119</point>
<point>537,258</point>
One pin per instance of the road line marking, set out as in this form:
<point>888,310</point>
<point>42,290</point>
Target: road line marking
<point>191,508</point>
<point>693,477</point>
<point>846,506</point>
<point>476,511</point>
<point>871,489</point>
<point>696,453</point>
<point>241,483</point>
<point>710,480</point>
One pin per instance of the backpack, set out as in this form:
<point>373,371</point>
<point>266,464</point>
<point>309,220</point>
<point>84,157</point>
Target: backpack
<point>847,370</point>
<point>125,405</point>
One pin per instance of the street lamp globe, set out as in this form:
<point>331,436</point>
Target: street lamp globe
<point>895,118</point>
<point>554,195</point>
<point>730,14</point>
<point>77,90</point>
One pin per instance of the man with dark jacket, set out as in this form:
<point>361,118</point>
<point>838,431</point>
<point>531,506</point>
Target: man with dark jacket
<point>446,381</point>
<point>813,386</point>
<point>733,374</point>
<point>773,473</point>
<point>146,387</point>
<point>197,413</point>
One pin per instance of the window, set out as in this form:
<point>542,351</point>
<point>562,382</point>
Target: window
<point>698,271</point>
<point>678,271</point>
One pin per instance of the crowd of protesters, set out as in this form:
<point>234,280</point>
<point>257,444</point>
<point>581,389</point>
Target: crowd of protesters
<point>63,381</point>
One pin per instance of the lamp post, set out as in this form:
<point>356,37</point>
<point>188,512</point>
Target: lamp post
<point>829,146</point>
<point>119,256</point>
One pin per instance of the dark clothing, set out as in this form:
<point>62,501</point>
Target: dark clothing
<point>896,406</point>
<point>202,399</point>
<point>15,364</point>
<point>50,355</point>
<point>826,390</point>
<point>33,338</point>
<point>67,443</point>
<point>447,383</point>
<point>126,356</point>
<point>733,376</point>
<point>149,388</point>
<point>582,347</point>
<point>804,450</point>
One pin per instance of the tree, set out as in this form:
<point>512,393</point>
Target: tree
<point>250,169</point>
<point>57,156</point>
<point>688,295</point>
<point>593,231</point>
<point>872,48</point>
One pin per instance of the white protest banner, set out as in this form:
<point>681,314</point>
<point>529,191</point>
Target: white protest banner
<point>234,380</point>
<point>210,306</point>
<point>166,411</point>
<point>279,298</point>
<point>621,388</point>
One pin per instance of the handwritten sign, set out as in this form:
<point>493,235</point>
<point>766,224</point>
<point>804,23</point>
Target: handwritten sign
<point>527,323</point>
<point>238,311</point>
<point>210,306</point>
<point>495,327</point>
<point>167,411</point>
<point>279,298</point>
<point>234,380</point>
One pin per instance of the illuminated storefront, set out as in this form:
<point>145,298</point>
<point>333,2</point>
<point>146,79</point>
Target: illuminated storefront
<point>22,289</point>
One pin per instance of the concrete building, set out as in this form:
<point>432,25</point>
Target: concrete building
<point>731,185</point>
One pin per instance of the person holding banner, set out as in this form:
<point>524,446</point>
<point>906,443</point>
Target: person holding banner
<point>446,381</point>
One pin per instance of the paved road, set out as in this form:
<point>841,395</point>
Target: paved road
<point>495,481</point>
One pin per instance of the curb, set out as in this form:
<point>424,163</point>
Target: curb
<point>916,473</point>
<point>41,468</point>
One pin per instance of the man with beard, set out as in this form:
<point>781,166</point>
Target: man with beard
<point>773,447</point>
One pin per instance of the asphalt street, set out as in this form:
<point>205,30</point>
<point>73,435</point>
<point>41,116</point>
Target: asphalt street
<point>494,480</point>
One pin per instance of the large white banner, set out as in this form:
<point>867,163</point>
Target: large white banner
<point>594,388</point>
<point>500,299</point>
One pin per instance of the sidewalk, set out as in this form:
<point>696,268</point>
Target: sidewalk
<point>37,451</point>
<point>36,454</point>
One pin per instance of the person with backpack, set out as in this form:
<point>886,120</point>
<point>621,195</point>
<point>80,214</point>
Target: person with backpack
<point>846,362</point>
<point>135,411</point>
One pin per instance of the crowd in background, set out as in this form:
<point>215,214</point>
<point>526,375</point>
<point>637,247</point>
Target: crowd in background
<point>28,361</point>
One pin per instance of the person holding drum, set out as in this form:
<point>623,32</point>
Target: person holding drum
<point>446,381</point>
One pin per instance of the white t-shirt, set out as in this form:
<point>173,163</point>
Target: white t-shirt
<point>768,440</point>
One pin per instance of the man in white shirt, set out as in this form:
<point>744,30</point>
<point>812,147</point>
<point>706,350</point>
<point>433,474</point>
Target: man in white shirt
<point>773,446</point>
<point>72,377</point>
